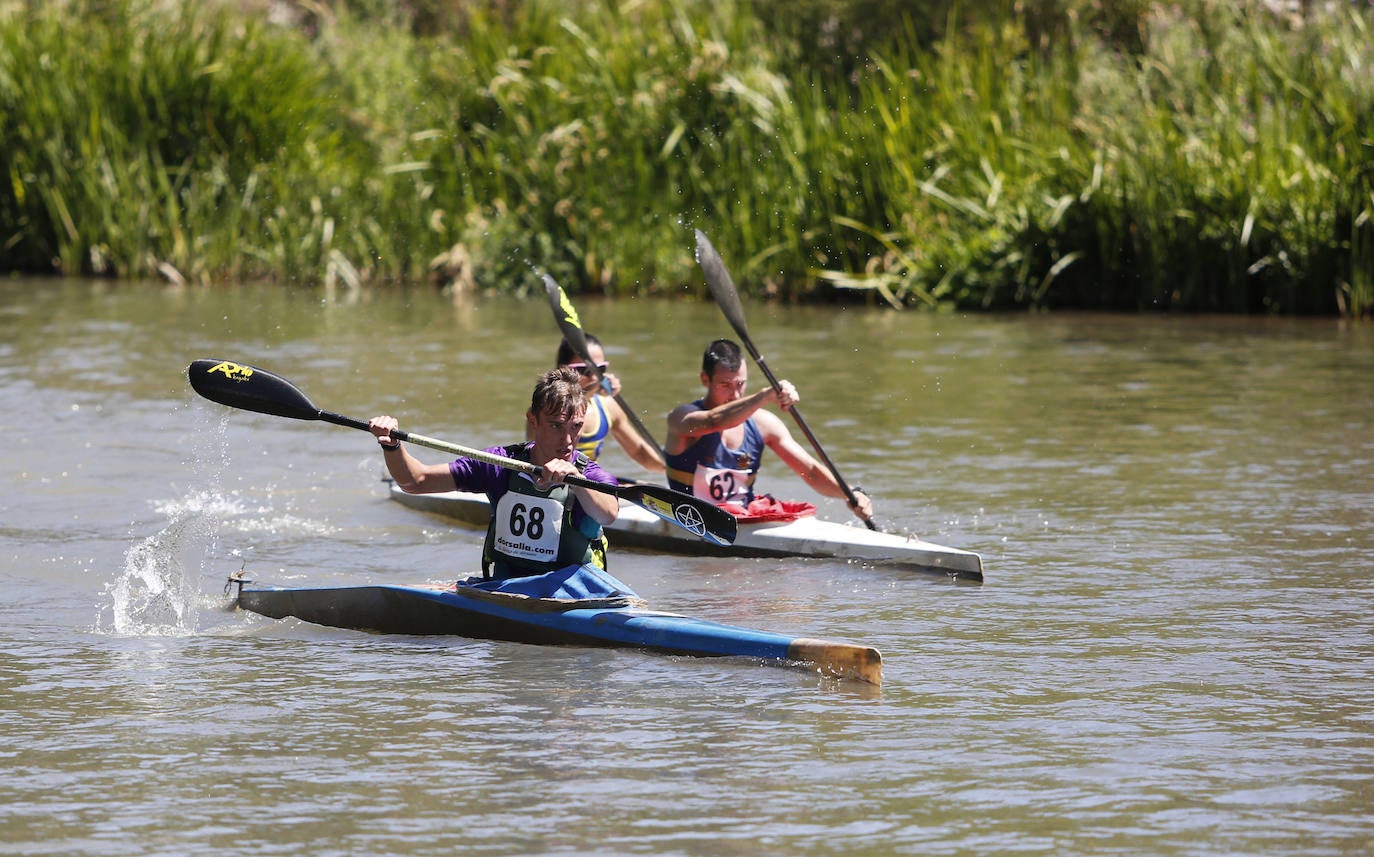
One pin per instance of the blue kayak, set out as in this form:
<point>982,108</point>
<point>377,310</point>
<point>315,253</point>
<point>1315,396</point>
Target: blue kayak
<point>618,620</point>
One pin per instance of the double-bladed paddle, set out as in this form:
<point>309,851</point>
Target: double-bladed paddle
<point>566,315</point>
<point>727,298</point>
<point>249,388</point>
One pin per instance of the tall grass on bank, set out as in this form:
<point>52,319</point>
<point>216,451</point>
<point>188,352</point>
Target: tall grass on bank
<point>1201,157</point>
<point>187,142</point>
<point>1229,168</point>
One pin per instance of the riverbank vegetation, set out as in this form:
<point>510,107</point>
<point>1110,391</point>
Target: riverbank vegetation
<point>1195,156</point>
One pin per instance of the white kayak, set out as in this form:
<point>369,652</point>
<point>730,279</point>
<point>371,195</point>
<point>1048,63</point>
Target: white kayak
<point>808,536</point>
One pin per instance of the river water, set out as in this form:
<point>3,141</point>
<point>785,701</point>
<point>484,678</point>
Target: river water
<point>1171,654</point>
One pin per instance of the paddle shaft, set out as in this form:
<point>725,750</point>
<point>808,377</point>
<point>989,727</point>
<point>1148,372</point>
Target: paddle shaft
<point>698,517</point>
<point>468,452</point>
<point>727,298</point>
<point>249,388</point>
<point>571,327</point>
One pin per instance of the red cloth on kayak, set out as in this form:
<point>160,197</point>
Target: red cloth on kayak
<point>768,509</point>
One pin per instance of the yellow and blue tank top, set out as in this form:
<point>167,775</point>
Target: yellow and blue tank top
<point>594,439</point>
<point>711,471</point>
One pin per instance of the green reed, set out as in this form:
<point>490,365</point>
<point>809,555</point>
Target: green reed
<point>175,140</point>
<point>1189,157</point>
<point>1226,168</point>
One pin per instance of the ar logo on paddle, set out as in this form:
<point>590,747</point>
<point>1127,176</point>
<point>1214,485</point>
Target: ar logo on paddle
<point>569,311</point>
<point>232,371</point>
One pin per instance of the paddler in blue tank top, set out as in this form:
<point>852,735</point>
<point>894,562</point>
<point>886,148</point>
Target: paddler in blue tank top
<point>605,417</point>
<point>545,536</point>
<point>715,444</point>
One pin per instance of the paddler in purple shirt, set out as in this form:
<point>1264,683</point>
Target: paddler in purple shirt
<point>544,532</point>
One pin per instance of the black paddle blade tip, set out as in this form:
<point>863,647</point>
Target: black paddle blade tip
<point>209,376</point>
<point>249,388</point>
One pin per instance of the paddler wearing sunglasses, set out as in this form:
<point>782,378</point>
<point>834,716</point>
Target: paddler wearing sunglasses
<point>605,418</point>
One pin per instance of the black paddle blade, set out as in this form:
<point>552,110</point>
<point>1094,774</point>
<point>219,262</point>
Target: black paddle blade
<point>706,520</point>
<point>250,388</point>
<point>722,287</point>
<point>566,316</point>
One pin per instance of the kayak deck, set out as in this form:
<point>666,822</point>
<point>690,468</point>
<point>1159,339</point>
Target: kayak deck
<point>805,537</point>
<point>450,610</point>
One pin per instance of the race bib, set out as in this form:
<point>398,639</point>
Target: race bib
<point>528,527</point>
<point>720,485</point>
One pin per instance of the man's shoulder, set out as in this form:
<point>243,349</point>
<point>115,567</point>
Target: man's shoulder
<point>473,469</point>
<point>685,409</point>
<point>770,425</point>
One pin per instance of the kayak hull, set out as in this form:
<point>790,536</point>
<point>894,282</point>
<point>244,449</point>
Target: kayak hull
<point>460,611</point>
<point>805,537</point>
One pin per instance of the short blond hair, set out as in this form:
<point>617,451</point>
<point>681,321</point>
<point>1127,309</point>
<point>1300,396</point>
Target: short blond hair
<point>558,391</point>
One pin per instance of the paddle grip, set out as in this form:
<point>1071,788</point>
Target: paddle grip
<point>350,422</point>
<point>806,430</point>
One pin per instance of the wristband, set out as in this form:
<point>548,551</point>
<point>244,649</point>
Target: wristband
<point>389,447</point>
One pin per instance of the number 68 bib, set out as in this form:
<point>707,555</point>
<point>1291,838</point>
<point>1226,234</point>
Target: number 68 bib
<point>528,527</point>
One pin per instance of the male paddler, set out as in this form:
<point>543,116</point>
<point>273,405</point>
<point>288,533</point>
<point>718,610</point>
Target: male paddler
<point>544,538</point>
<point>715,444</point>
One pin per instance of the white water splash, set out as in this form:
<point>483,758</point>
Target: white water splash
<point>154,595</point>
<point>158,591</point>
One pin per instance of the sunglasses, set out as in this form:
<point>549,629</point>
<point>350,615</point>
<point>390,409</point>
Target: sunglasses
<point>587,371</point>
